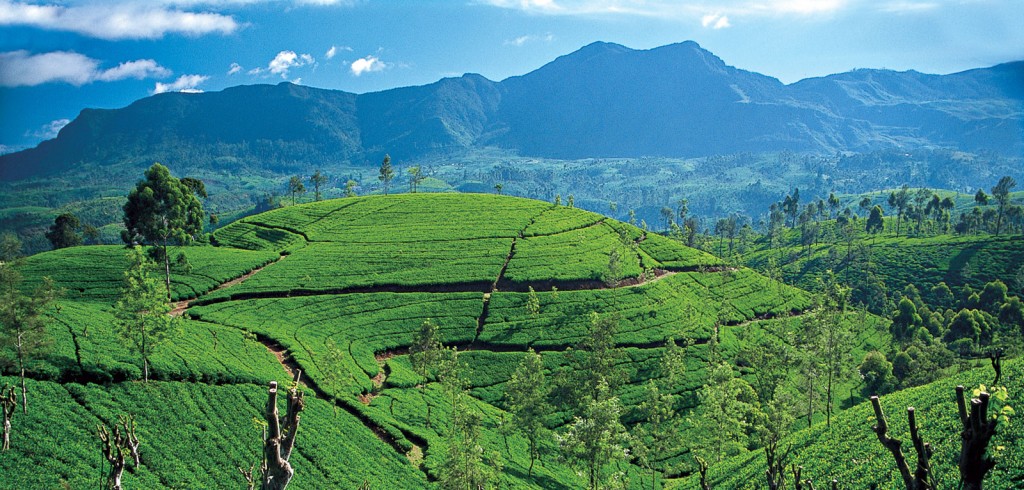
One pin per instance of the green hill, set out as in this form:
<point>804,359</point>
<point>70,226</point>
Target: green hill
<point>851,453</point>
<point>339,289</point>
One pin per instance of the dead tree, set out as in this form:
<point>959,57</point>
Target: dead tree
<point>115,447</point>
<point>978,429</point>
<point>776,472</point>
<point>8,403</point>
<point>248,475</point>
<point>702,467</point>
<point>277,449</point>
<point>920,479</point>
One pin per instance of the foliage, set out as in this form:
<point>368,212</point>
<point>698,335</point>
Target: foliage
<point>64,231</point>
<point>141,312</point>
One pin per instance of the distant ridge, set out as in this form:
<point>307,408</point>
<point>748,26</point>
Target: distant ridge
<point>604,100</point>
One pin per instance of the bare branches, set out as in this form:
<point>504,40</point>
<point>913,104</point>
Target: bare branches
<point>277,449</point>
<point>978,429</point>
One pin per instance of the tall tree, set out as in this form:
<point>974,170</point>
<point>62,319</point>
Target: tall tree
<point>415,177</point>
<point>597,437</point>
<point>387,173</point>
<point>63,232</point>
<point>162,210</point>
<point>899,200</point>
<point>1002,194</point>
<point>142,315</point>
<point>875,223</point>
<point>22,325</point>
<point>318,180</point>
<point>296,187</point>
<point>527,393</point>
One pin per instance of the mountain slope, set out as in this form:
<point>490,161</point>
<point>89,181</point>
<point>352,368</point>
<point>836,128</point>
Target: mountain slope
<point>604,100</point>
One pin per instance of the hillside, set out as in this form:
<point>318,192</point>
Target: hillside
<point>851,453</point>
<point>604,100</point>
<point>338,289</point>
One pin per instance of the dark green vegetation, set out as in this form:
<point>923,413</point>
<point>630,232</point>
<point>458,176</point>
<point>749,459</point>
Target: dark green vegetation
<point>848,133</point>
<point>345,302</point>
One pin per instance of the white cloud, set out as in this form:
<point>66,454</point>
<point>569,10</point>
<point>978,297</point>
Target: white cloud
<point>20,68</point>
<point>115,20</point>
<point>331,53</point>
<point>234,68</point>
<point>50,129</point>
<point>184,83</point>
<point>367,64</point>
<point>715,21</point>
<point>137,69</point>
<point>673,9</point>
<point>521,40</point>
<point>283,62</point>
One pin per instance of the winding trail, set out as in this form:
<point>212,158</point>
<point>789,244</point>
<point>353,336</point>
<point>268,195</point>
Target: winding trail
<point>178,308</point>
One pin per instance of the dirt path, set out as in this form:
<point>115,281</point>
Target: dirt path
<point>178,308</point>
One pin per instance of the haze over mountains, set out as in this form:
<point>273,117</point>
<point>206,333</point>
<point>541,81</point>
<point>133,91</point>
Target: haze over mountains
<point>604,100</point>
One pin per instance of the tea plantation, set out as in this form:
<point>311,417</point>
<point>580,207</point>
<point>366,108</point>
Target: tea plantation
<point>340,289</point>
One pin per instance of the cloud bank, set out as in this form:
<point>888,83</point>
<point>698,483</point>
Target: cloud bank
<point>115,20</point>
<point>21,68</point>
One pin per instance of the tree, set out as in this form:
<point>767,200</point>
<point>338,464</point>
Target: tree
<point>597,437</point>
<point>498,187</point>
<point>22,325</point>
<point>833,205</point>
<point>277,448</point>
<point>876,371</point>
<point>317,180</point>
<point>527,393</point>
<point>978,427</point>
<point>8,404</point>
<point>141,313</point>
<point>415,177</point>
<point>659,434</point>
<point>386,173</point>
<point>899,201</point>
<point>350,188</point>
<point>980,198</point>
<point>63,233</point>
<point>295,187</point>
<point>835,340</point>
<point>162,210</point>
<point>613,273</point>
<point>116,446</point>
<point>425,354</point>
<point>532,302</point>
<point>726,410</point>
<point>865,205</point>
<point>1002,194</point>
<point>875,223</point>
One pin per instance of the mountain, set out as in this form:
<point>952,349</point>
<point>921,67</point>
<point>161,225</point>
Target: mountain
<point>604,100</point>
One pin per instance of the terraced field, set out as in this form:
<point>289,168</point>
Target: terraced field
<point>340,288</point>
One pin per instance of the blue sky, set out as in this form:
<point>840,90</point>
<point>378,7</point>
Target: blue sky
<point>58,57</point>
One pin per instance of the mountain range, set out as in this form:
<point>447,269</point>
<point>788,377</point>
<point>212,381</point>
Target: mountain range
<point>604,100</point>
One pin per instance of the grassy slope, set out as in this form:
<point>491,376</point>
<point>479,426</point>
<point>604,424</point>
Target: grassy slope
<point>376,319</point>
<point>851,453</point>
<point>923,261</point>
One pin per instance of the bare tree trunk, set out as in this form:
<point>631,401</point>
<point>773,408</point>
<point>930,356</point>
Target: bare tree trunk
<point>113,447</point>
<point>277,449</point>
<point>21,367</point>
<point>702,467</point>
<point>8,404</point>
<point>978,430</point>
<point>167,271</point>
<point>920,479</point>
